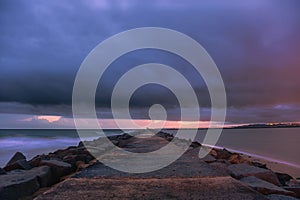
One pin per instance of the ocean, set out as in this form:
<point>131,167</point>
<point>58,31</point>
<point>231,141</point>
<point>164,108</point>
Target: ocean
<point>274,144</point>
<point>32,142</point>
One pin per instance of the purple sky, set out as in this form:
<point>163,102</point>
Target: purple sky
<point>255,44</point>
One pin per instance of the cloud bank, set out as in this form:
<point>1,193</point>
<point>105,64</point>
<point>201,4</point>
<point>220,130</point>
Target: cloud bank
<point>255,44</point>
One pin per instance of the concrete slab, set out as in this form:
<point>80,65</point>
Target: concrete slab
<point>167,188</point>
<point>188,166</point>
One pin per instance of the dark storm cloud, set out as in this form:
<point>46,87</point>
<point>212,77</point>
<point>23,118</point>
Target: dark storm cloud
<point>255,44</point>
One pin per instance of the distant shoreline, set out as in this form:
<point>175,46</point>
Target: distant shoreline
<point>237,127</point>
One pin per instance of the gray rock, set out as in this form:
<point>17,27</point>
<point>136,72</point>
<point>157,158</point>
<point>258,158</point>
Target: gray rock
<point>195,144</point>
<point>2,171</point>
<point>280,197</point>
<point>58,168</point>
<point>237,158</point>
<point>295,189</point>
<point>15,158</point>
<point>35,162</point>
<point>223,154</point>
<point>214,153</point>
<point>17,184</point>
<point>258,164</point>
<point>243,170</point>
<point>19,164</point>
<point>208,158</point>
<point>283,178</point>
<point>18,161</point>
<point>294,185</point>
<point>43,175</point>
<point>264,187</point>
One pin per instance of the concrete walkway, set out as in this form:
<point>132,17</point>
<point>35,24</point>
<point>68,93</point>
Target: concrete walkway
<point>187,178</point>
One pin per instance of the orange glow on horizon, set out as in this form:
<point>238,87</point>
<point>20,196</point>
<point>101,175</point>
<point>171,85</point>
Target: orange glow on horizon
<point>157,124</point>
<point>49,118</point>
<point>86,123</point>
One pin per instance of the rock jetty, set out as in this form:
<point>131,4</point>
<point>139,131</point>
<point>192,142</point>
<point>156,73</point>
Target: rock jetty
<point>73,173</point>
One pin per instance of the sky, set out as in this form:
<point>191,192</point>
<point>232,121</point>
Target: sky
<point>255,44</point>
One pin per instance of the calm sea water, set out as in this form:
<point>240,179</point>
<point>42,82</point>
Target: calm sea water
<point>277,144</point>
<point>282,144</point>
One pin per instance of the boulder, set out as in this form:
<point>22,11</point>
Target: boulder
<point>18,161</point>
<point>71,159</point>
<point>81,165</point>
<point>208,158</point>
<point>72,150</point>
<point>124,136</point>
<point>81,156</point>
<point>280,197</point>
<point>15,158</point>
<point>64,152</point>
<point>43,174</point>
<point>19,164</point>
<point>264,187</point>
<point>92,162</point>
<point>2,171</point>
<point>80,145</point>
<point>294,189</point>
<point>195,144</point>
<point>213,153</point>
<point>164,135</point>
<point>115,142</point>
<point>294,186</point>
<point>223,154</point>
<point>17,184</point>
<point>283,178</point>
<point>294,183</point>
<point>258,164</point>
<point>243,170</point>
<point>35,162</point>
<point>78,163</point>
<point>58,168</point>
<point>237,159</point>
